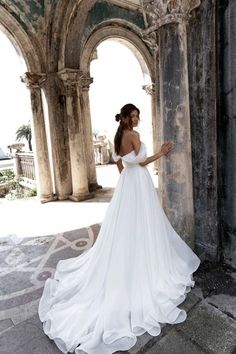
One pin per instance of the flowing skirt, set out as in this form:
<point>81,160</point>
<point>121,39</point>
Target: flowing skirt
<point>130,282</point>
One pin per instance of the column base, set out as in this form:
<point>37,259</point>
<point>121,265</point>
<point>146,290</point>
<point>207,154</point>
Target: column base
<point>63,197</point>
<point>48,198</point>
<point>94,186</point>
<point>81,197</point>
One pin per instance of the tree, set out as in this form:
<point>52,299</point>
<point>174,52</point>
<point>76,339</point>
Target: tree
<point>24,132</point>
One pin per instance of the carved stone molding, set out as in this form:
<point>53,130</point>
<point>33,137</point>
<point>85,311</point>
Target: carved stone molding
<point>74,78</point>
<point>70,79</point>
<point>158,13</point>
<point>149,89</point>
<point>86,81</point>
<point>33,80</point>
<point>151,40</point>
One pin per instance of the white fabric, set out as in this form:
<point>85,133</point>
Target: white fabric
<point>132,280</point>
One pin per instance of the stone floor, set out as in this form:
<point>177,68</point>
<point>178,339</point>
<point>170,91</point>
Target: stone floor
<point>26,262</point>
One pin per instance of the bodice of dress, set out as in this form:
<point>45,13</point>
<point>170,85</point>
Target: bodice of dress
<point>131,159</point>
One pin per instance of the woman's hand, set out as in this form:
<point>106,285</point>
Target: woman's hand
<point>166,147</point>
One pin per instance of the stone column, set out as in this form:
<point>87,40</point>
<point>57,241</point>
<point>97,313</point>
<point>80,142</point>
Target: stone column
<point>150,90</point>
<point>72,79</point>
<point>227,133</point>
<point>168,19</point>
<point>43,172</point>
<point>86,80</point>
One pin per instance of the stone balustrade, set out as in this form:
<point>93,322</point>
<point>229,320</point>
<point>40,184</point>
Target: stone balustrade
<point>25,165</point>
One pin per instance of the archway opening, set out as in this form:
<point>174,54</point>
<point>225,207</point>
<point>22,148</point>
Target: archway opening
<point>16,145</point>
<point>15,103</point>
<point>120,75</point>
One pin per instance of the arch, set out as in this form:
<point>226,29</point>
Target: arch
<point>20,40</point>
<point>125,36</point>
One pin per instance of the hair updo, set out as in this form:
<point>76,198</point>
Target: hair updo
<point>125,112</point>
<point>118,117</point>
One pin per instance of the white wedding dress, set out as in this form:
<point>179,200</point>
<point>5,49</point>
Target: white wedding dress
<point>132,280</point>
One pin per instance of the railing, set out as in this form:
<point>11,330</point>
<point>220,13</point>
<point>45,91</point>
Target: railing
<point>101,154</point>
<point>24,161</point>
<point>24,165</point>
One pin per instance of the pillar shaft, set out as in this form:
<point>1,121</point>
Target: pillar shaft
<point>88,136</point>
<point>176,172</point>
<point>43,172</point>
<point>76,143</point>
<point>71,80</point>
<point>168,21</point>
<point>59,136</point>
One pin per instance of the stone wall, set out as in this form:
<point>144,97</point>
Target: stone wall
<point>202,82</point>
<point>227,130</point>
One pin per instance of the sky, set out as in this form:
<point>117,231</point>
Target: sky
<point>118,80</point>
<point>14,96</point>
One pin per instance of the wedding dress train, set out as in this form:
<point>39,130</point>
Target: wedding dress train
<point>132,280</point>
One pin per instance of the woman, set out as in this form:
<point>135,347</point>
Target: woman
<point>136,274</point>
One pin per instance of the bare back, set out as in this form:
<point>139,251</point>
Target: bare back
<point>130,141</point>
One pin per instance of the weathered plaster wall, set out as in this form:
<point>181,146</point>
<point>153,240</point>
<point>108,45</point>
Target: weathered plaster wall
<point>227,129</point>
<point>101,12</point>
<point>202,83</point>
<point>31,16</point>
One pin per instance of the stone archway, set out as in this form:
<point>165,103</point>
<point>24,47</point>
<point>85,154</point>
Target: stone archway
<point>131,40</point>
<point>34,79</point>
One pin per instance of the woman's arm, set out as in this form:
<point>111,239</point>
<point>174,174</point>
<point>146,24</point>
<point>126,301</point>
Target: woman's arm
<point>135,141</point>
<point>120,166</point>
<point>165,149</point>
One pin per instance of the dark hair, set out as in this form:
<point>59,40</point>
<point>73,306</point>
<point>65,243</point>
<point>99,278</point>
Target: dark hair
<point>125,112</point>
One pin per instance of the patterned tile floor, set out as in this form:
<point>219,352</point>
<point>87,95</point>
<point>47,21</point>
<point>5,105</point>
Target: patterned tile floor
<point>25,265</point>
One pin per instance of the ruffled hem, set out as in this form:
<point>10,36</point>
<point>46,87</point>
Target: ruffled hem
<point>111,340</point>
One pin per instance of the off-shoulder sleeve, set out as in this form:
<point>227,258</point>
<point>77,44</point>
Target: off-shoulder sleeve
<point>140,157</point>
<point>116,157</point>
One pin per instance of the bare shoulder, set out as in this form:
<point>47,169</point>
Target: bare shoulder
<point>135,136</point>
<point>132,134</point>
<point>135,133</point>
<point>131,140</point>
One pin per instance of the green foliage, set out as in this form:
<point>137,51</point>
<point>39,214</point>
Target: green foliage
<point>31,193</point>
<point>6,176</point>
<point>24,132</point>
<point>15,190</point>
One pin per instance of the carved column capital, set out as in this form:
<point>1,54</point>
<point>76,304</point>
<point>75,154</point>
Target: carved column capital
<point>158,13</point>
<point>70,79</point>
<point>149,89</point>
<point>86,81</point>
<point>74,78</point>
<point>33,80</point>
